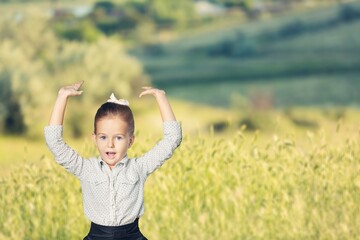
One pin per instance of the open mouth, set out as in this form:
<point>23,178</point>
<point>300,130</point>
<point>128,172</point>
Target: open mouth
<point>111,154</point>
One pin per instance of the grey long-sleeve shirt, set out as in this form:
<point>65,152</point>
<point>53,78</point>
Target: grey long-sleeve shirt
<point>113,197</point>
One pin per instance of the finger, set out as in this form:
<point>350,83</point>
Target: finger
<point>78,85</point>
<point>146,92</point>
<point>142,94</point>
<point>81,82</point>
<point>78,93</point>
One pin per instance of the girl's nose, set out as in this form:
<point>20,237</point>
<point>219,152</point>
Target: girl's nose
<point>110,143</point>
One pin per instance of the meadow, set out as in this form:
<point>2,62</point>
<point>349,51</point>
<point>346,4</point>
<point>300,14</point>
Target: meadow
<point>282,181</point>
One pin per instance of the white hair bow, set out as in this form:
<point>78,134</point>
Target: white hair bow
<point>113,99</point>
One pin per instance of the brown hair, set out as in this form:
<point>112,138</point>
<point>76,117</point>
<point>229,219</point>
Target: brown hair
<point>114,109</point>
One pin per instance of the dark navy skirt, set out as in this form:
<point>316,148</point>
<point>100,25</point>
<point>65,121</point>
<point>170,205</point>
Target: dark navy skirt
<point>125,232</point>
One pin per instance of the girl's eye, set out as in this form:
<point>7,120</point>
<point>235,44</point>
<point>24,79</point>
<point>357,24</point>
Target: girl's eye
<point>102,137</point>
<point>118,138</point>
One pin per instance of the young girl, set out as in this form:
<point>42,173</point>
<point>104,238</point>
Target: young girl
<point>113,184</point>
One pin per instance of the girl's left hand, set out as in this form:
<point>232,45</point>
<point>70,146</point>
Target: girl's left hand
<point>153,91</point>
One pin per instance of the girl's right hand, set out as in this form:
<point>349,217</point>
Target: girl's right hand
<point>71,90</point>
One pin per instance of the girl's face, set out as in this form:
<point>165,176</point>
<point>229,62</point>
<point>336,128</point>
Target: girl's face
<point>112,139</point>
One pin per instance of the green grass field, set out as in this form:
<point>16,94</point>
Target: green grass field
<point>282,182</point>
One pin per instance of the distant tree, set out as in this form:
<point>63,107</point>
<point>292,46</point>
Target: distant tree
<point>106,6</point>
<point>111,18</point>
<point>170,13</point>
<point>14,121</point>
<point>83,30</point>
<point>11,119</point>
<point>245,4</point>
<point>348,13</point>
<point>5,95</point>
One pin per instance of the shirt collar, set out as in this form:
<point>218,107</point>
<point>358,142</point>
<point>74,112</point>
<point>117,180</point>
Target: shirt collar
<point>122,162</point>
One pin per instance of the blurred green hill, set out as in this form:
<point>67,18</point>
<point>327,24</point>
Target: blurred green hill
<point>299,58</point>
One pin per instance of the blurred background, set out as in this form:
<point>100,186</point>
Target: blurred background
<point>232,69</point>
<point>229,54</point>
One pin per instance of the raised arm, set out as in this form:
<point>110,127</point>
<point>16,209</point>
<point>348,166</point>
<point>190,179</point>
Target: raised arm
<point>64,155</point>
<point>58,112</point>
<point>164,149</point>
<point>163,103</point>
